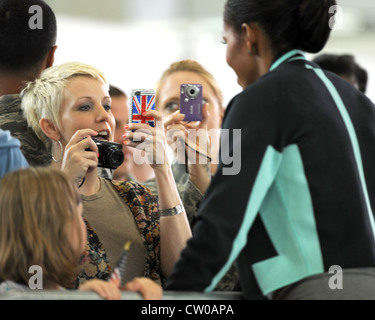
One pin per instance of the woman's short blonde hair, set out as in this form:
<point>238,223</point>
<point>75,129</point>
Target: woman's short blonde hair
<point>43,97</point>
<point>38,213</point>
<point>191,66</point>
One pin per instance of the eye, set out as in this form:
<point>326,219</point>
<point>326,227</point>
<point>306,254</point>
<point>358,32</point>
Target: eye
<point>84,107</point>
<point>107,106</point>
<point>223,41</point>
<point>172,107</point>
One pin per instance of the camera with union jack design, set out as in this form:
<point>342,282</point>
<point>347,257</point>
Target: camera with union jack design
<point>141,101</point>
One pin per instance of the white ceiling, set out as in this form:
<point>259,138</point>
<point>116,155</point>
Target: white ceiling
<point>139,10</point>
<point>172,27</point>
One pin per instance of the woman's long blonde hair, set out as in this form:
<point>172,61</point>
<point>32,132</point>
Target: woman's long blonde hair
<point>38,213</point>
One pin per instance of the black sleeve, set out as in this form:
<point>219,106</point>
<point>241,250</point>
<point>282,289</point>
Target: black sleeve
<point>251,129</point>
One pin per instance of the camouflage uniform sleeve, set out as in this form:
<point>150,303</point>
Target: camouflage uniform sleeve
<point>36,152</point>
<point>151,185</point>
<point>191,198</point>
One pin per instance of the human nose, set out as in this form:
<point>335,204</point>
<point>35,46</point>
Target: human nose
<point>103,114</point>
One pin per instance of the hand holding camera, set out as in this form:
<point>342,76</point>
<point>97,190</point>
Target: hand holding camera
<point>77,161</point>
<point>193,136</point>
<point>110,154</point>
<point>149,140</point>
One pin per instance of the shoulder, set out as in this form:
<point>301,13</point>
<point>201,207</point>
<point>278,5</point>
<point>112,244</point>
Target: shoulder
<point>273,96</point>
<point>6,140</point>
<point>10,106</point>
<point>134,192</point>
<point>10,102</point>
<point>129,186</point>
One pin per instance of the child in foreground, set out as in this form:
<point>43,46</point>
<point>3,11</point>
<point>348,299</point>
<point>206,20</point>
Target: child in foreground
<point>41,224</point>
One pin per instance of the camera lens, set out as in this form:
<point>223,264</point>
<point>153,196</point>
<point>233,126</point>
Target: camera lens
<point>192,91</point>
<point>113,158</point>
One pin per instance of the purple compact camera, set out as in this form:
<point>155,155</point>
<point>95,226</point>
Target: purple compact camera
<point>191,101</point>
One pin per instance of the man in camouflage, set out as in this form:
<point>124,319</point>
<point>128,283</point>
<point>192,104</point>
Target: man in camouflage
<point>25,51</point>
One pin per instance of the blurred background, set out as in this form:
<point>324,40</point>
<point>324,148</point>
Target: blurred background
<point>134,41</point>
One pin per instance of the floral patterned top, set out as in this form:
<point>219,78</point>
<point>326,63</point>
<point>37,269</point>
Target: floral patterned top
<point>144,207</point>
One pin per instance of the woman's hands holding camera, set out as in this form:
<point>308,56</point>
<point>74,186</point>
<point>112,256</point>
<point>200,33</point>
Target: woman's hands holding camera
<point>76,160</point>
<point>150,142</point>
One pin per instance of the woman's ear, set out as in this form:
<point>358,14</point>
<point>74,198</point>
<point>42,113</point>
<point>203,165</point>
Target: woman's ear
<point>49,129</point>
<point>250,33</point>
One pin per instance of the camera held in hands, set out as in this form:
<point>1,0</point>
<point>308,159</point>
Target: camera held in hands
<point>191,101</point>
<point>141,101</point>
<point>110,154</point>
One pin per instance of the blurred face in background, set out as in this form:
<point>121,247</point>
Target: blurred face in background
<point>168,100</point>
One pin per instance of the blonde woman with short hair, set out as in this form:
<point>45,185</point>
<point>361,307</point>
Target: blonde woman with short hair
<point>70,104</point>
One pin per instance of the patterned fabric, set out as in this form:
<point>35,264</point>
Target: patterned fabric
<point>36,152</point>
<point>144,207</point>
<point>94,262</point>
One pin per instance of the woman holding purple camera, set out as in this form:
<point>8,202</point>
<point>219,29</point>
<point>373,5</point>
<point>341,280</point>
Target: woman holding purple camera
<point>298,218</point>
<point>69,104</point>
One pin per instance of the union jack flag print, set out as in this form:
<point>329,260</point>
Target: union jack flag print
<point>141,102</point>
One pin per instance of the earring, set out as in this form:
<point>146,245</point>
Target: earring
<point>253,50</point>
<point>61,152</point>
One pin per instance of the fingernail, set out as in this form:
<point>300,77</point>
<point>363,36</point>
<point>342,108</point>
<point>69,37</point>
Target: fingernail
<point>125,135</point>
<point>144,114</point>
<point>126,127</point>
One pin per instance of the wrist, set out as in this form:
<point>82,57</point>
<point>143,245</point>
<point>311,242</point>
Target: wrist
<point>172,211</point>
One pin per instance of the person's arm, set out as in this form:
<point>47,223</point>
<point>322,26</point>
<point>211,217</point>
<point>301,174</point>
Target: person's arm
<point>174,229</point>
<point>146,287</point>
<point>192,143</point>
<point>192,138</point>
<point>108,290</point>
<point>231,205</point>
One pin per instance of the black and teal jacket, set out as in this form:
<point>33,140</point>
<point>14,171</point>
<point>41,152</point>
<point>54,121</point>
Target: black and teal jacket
<point>303,200</point>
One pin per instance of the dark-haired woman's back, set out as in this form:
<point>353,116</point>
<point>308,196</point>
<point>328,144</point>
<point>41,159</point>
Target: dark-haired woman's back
<point>302,203</point>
